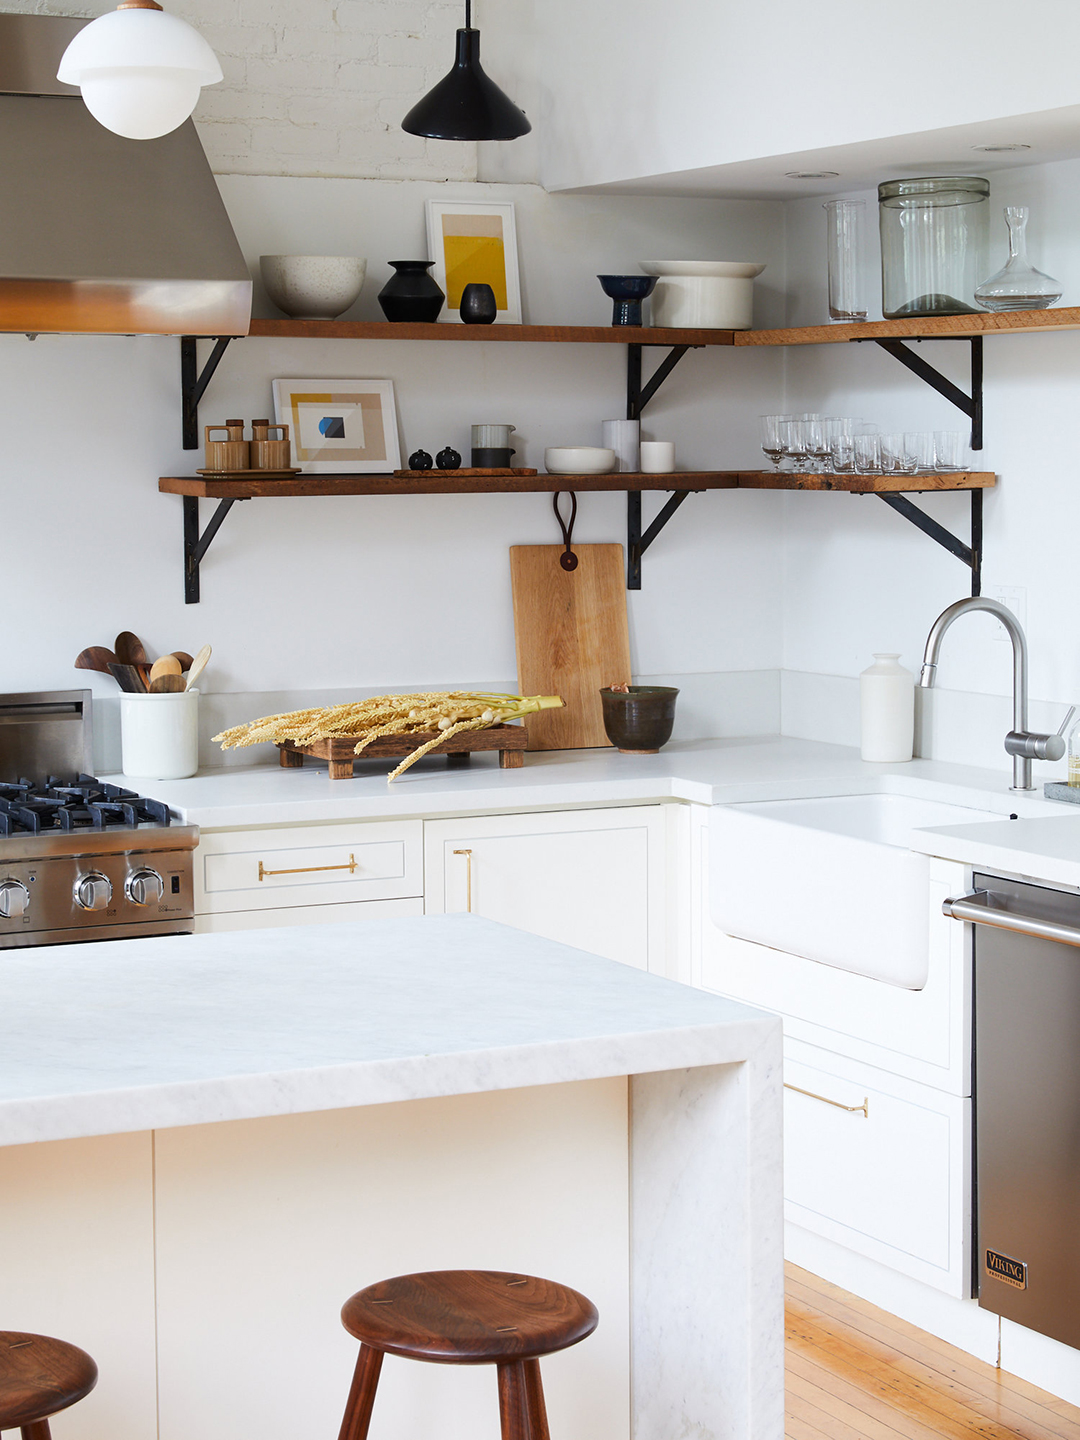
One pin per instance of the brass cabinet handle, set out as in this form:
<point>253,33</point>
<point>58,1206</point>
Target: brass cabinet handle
<point>352,868</point>
<point>468,879</point>
<point>863,1109</point>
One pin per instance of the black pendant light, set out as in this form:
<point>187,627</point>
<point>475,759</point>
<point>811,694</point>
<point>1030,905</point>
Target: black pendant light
<point>466,104</point>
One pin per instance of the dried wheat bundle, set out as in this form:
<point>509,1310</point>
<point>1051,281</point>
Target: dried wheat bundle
<point>447,712</point>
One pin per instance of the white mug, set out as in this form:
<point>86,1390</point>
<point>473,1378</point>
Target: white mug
<point>657,457</point>
<point>623,436</point>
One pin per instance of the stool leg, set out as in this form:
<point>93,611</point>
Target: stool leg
<point>357,1418</point>
<point>534,1399</point>
<point>36,1430</point>
<point>513,1401</point>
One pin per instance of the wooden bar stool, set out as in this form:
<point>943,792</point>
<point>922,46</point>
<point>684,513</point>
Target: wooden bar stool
<point>38,1377</point>
<point>465,1317</point>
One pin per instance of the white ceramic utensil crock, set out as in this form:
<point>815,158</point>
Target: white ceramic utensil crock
<point>159,735</point>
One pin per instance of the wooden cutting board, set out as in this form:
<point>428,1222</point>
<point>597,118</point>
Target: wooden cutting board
<point>572,638</point>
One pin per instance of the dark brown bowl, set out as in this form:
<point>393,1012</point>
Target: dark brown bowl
<point>639,720</point>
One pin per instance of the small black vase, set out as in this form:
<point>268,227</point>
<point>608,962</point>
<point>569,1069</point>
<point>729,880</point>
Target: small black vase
<point>478,305</point>
<point>411,294</point>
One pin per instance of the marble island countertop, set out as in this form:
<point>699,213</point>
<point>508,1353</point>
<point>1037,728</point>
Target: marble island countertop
<point>101,1039</point>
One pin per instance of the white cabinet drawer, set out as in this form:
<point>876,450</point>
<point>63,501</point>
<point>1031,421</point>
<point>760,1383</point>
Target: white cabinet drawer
<point>308,865</point>
<point>890,1183</point>
<point>307,915</point>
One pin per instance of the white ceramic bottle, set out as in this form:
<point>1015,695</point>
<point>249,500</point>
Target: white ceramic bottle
<point>887,706</point>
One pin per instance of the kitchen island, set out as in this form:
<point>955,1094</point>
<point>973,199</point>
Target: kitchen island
<point>212,1141</point>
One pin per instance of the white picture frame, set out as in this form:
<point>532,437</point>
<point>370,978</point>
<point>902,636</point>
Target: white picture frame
<point>342,427</point>
<point>484,223</point>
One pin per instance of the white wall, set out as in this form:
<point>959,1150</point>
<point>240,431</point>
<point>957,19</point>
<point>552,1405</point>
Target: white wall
<point>639,91</point>
<point>857,577</point>
<point>380,592</point>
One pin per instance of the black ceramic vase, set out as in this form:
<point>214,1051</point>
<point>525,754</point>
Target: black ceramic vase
<point>411,294</point>
<point>478,305</point>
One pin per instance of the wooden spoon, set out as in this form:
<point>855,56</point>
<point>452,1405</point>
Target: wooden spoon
<point>129,649</point>
<point>167,665</point>
<point>95,657</point>
<point>184,658</point>
<point>167,685</point>
<point>128,678</point>
<point>198,665</point>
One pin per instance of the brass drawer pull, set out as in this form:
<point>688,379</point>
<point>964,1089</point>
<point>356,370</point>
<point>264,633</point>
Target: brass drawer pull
<point>352,868</point>
<point>468,878</point>
<point>863,1109</point>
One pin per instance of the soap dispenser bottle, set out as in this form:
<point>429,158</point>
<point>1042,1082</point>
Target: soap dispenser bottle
<point>887,709</point>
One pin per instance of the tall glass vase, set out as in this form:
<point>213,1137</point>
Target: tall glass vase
<point>1018,285</point>
<point>846,220</point>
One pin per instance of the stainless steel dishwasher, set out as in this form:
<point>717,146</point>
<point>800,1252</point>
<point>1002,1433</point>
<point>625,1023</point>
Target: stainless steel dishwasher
<point>1027,1102</point>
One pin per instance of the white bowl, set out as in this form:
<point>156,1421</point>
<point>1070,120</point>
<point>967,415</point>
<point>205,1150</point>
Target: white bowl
<point>313,287</point>
<point>717,269</point>
<point>703,302</point>
<point>579,460</point>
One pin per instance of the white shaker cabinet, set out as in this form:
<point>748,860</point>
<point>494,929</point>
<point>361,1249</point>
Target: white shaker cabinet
<point>594,879</point>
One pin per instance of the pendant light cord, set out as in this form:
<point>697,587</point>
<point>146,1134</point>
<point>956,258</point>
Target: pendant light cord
<point>468,14</point>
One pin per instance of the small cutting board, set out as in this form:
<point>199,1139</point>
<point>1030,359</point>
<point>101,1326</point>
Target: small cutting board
<point>572,638</point>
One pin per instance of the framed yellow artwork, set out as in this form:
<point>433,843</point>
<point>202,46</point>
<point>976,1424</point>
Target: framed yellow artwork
<point>475,243</point>
<point>340,427</point>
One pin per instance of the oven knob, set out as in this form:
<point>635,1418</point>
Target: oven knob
<point>93,891</point>
<point>144,887</point>
<point>14,899</point>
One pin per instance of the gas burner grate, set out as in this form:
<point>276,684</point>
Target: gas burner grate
<point>85,803</point>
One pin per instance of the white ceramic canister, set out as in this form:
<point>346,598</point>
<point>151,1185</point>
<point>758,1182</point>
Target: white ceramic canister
<point>703,294</point>
<point>159,735</point>
<point>657,457</point>
<point>624,437</point>
<point>887,709</point>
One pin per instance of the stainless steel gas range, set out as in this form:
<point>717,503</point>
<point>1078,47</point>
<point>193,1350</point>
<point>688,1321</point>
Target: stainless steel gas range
<point>81,859</point>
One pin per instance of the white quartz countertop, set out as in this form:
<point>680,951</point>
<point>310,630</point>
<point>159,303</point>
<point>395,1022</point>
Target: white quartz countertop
<point>1045,848</point>
<point>100,1039</point>
<point>707,772</point>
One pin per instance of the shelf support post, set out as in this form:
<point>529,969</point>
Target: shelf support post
<point>196,545</point>
<point>969,555</point>
<point>193,383</point>
<point>971,405</point>
<point>638,543</point>
<point>637,397</point>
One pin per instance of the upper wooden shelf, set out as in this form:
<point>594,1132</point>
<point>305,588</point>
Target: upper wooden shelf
<point>450,482</point>
<point>1010,322</point>
<point>559,334</point>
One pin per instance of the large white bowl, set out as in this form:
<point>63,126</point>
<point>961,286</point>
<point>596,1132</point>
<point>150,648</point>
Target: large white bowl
<point>313,287</point>
<point>579,460</point>
<point>717,269</point>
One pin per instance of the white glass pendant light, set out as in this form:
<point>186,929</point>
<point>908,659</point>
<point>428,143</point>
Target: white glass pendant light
<point>140,70</point>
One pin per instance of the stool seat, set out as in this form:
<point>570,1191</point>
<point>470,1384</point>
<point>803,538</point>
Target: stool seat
<point>469,1317</point>
<point>39,1376</point>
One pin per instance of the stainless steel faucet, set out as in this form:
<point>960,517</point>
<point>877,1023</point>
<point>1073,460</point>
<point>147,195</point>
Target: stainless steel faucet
<point>1021,743</point>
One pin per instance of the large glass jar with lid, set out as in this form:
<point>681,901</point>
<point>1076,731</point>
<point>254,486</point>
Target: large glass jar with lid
<point>933,244</point>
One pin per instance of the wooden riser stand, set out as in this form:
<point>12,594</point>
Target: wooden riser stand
<point>509,740</point>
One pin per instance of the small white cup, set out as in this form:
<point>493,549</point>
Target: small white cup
<point>624,437</point>
<point>657,457</point>
<point>159,735</point>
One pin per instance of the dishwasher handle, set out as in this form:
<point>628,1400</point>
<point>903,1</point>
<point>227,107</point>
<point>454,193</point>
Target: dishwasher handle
<point>978,909</point>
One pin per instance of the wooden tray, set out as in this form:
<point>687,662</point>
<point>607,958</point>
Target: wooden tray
<point>251,471</point>
<point>461,470</point>
<point>509,740</point>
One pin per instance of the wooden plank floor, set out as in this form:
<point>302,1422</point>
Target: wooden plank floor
<point>857,1373</point>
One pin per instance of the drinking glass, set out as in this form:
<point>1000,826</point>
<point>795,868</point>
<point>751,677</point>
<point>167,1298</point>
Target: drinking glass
<point>892,453</point>
<point>842,445</point>
<point>817,447</point>
<point>771,442</point>
<point>909,453</point>
<point>950,450</point>
<point>867,450</point>
<point>921,444</point>
<point>793,439</point>
<point>846,220</point>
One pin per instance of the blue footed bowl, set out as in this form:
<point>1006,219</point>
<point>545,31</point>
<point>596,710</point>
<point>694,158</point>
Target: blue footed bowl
<point>627,291</point>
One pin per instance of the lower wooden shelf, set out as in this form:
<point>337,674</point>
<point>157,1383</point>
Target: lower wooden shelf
<point>451,482</point>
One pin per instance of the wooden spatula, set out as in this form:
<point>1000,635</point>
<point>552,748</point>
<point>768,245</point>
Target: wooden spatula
<point>167,685</point>
<point>95,657</point>
<point>129,649</point>
<point>197,666</point>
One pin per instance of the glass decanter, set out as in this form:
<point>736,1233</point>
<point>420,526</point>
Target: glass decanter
<point>1018,285</point>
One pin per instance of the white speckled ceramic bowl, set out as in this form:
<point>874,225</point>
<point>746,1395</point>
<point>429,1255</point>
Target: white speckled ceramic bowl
<point>579,460</point>
<point>313,287</point>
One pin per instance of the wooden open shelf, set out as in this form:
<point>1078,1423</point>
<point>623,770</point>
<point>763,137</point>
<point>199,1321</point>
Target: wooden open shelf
<point>449,482</point>
<point>532,334</point>
<point>926,328</point>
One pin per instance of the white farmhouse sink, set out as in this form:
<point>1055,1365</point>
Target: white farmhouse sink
<point>831,879</point>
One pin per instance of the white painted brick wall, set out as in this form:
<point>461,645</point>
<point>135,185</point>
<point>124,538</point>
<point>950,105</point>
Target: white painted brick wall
<point>317,87</point>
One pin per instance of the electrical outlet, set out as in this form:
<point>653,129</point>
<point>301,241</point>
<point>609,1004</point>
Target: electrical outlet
<point>1014,598</point>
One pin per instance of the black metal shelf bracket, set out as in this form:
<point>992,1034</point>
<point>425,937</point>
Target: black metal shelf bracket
<point>196,545</point>
<point>970,555</point>
<point>193,382</point>
<point>638,396</point>
<point>971,405</point>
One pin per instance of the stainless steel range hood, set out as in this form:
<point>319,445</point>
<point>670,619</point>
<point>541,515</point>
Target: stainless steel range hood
<point>101,234</point>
